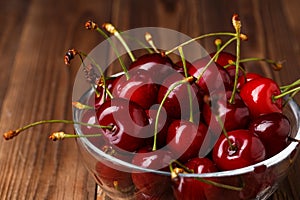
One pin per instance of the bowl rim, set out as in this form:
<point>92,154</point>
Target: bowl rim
<point>96,152</point>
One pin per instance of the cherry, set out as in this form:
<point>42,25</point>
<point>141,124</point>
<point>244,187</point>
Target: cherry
<point>191,188</point>
<point>157,65</point>
<point>259,94</point>
<point>245,149</point>
<point>233,115</point>
<point>213,78</point>
<point>224,59</point>
<point>246,78</point>
<point>128,120</point>
<point>179,66</point>
<point>110,175</point>
<point>273,129</point>
<point>185,139</point>
<point>178,101</point>
<point>152,184</point>
<point>140,88</point>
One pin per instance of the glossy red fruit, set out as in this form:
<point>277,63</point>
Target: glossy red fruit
<point>152,184</point>
<point>185,139</point>
<point>225,58</point>
<point>247,149</point>
<point>246,78</point>
<point>191,188</point>
<point>158,66</point>
<point>128,120</point>
<point>177,102</point>
<point>214,77</point>
<point>113,177</point>
<point>233,116</point>
<point>139,88</point>
<point>258,95</point>
<point>273,129</point>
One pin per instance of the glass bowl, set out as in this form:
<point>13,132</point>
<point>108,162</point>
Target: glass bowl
<point>113,175</point>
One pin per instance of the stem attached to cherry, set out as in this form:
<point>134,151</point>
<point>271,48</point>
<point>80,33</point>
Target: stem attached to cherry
<point>170,89</point>
<point>188,86</point>
<point>90,25</point>
<point>62,135</point>
<point>12,133</point>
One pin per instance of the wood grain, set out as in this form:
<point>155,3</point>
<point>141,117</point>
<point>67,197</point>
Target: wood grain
<point>35,84</point>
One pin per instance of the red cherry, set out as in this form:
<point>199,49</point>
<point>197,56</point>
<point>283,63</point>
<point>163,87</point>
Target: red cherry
<point>232,115</point>
<point>258,95</point>
<point>191,188</point>
<point>152,184</point>
<point>214,78</point>
<point>273,129</point>
<point>111,176</point>
<point>128,120</point>
<point>140,88</point>
<point>225,58</point>
<point>177,102</point>
<point>185,139</point>
<point>246,149</point>
<point>157,65</point>
<point>246,78</point>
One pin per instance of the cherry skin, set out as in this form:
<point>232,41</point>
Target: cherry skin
<point>128,120</point>
<point>246,78</point>
<point>185,139</point>
<point>152,184</point>
<point>157,65</point>
<point>247,149</point>
<point>177,102</point>
<point>232,115</point>
<point>140,88</point>
<point>273,129</point>
<point>214,78</point>
<point>191,188</point>
<point>258,95</point>
<point>112,176</point>
<point>224,58</point>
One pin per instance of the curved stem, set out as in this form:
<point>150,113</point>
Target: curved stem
<point>216,54</point>
<point>296,89</point>
<point>198,38</point>
<point>170,89</point>
<point>191,119</point>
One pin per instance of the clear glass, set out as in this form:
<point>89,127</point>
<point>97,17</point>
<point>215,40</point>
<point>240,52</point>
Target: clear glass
<point>258,181</point>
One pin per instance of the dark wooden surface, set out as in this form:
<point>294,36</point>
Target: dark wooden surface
<point>35,83</point>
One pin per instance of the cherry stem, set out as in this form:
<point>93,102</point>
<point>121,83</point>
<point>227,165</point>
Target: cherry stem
<point>288,87</point>
<point>293,139</point>
<point>296,89</point>
<point>92,25</point>
<point>191,119</point>
<point>111,29</point>
<point>198,38</point>
<point>148,38</point>
<point>170,89</point>
<point>142,44</point>
<point>11,134</point>
<point>231,146</point>
<point>176,172</point>
<point>213,58</point>
<point>62,135</point>
<point>237,26</point>
<point>81,106</point>
<point>276,65</point>
<point>218,43</point>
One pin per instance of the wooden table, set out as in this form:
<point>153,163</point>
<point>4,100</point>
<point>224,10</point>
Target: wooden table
<point>35,83</point>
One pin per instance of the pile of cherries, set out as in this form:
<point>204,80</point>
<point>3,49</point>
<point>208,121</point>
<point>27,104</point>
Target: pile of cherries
<point>204,116</point>
<point>232,135</point>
